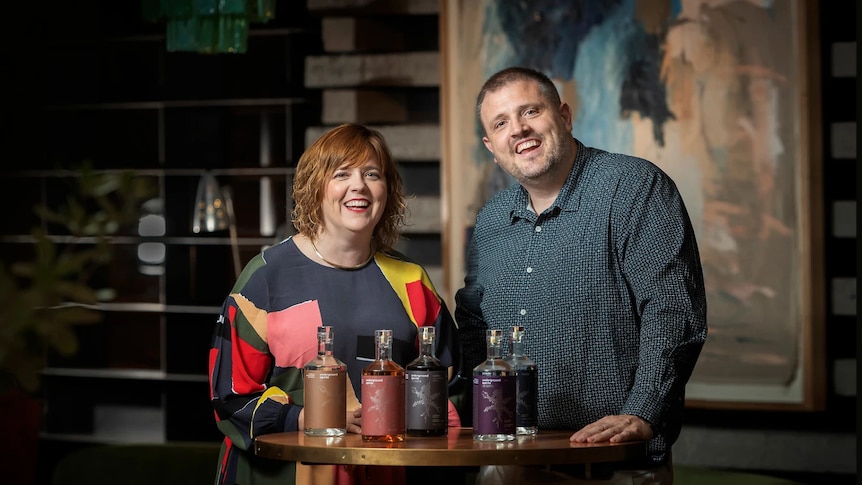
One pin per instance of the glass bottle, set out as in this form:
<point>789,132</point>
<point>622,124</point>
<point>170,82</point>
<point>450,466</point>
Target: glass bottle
<point>527,383</point>
<point>324,380</point>
<point>426,395</point>
<point>382,389</point>
<point>494,394</point>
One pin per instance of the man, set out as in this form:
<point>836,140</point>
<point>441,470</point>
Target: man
<point>594,253</point>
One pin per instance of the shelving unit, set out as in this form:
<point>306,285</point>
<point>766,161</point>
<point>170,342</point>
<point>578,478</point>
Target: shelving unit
<point>109,92</point>
<point>112,95</point>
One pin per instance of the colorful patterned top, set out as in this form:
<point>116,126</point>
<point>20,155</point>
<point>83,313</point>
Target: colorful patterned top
<point>267,331</point>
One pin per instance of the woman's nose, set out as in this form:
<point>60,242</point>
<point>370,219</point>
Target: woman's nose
<point>357,182</point>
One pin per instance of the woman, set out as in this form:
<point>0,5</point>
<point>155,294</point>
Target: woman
<point>340,269</point>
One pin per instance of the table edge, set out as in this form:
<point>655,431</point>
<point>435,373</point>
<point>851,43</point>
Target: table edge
<point>503,453</point>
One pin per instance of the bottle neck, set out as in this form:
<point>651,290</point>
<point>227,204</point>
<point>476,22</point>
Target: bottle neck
<point>518,349</point>
<point>324,349</point>
<point>384,351</point>
<point>494,350</point>
<point>427,341</point>
<point>517,346</point>
<point>325,342</point>
<point>383,344</point>
<point>427,349</point>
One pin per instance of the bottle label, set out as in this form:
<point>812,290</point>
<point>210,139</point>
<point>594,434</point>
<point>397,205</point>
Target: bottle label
<point>382,405</point>
<point>494,404</point>
<point>527,389</point>
<point>426,400</point>
<point>325,399</point>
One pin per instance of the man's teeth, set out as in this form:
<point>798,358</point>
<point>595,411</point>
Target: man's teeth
<point>525,145</point>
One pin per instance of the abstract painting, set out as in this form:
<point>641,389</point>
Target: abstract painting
<point>718,93</point>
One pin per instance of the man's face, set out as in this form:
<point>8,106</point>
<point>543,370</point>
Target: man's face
<point>524,133</point>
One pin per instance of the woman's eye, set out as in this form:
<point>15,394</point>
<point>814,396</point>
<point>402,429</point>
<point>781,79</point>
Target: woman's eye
<point>373,175</point>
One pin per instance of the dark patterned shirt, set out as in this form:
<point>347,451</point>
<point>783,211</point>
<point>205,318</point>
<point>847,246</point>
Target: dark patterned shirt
<point>609,285</point>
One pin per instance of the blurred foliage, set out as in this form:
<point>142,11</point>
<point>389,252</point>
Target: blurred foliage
<point>43,299</point>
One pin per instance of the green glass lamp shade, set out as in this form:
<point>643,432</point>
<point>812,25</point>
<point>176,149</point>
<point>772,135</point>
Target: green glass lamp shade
<point>208,26</point>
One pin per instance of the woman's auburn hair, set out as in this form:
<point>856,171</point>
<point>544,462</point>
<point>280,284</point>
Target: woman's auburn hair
<point>348,145</point>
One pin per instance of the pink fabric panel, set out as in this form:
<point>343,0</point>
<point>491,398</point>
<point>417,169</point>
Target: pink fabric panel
<point>292,334</point>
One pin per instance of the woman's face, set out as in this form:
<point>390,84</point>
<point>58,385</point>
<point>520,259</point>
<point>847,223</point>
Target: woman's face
<point>354,199</point>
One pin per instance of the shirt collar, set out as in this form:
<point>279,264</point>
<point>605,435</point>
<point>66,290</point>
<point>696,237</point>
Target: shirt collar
<point>567,200</point>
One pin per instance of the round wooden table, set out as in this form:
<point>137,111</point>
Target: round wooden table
<point>458,448</point>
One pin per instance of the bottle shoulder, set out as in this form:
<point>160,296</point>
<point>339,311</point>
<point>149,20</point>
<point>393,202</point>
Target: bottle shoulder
<point>520,361</point>
<point>493,365</point>
<point>425,362</point>
<point>383,367</point>
<point>326,362</point>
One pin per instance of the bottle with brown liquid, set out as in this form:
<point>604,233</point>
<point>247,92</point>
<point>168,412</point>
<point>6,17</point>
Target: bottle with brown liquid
<point>382,389</point>
<point>427,396</point>
<point>324,380</point>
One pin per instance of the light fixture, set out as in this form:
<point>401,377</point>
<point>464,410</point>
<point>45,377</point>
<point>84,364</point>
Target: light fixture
<point>267,205</point>
<point>213,211</point>
<point>208,26</point>
<point>210,206</point>
<point>151,254</point>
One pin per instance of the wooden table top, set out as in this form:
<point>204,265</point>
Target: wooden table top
<point>458,448</point>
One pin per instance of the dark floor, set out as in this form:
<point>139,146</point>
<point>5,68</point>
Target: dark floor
<point>809,478</point>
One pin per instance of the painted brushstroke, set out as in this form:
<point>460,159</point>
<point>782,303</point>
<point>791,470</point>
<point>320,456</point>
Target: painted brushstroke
<point>706,90</point>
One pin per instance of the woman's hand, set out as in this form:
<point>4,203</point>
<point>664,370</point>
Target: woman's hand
<point>354,420</point>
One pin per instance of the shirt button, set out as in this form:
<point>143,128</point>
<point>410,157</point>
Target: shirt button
<point>538,228</point>
<point>523,312</point>
<point>529,270</point>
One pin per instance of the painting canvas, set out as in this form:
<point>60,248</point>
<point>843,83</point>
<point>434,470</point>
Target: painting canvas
<point>716,93</point>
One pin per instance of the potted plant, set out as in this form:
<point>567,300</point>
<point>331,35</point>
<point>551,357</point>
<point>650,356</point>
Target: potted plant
<point>43,299</point>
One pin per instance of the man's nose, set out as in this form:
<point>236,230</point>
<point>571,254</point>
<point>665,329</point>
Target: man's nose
<point>519,128</point>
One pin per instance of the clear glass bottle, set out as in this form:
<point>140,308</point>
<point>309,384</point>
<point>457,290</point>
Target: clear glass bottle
<point>527,383</point>
<point>494,394</point>
<point>382,390</point>
<point>324,381</point>
<point>426,395</point>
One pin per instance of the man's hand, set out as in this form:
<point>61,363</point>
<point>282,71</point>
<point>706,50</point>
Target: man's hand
<point>615,429</point>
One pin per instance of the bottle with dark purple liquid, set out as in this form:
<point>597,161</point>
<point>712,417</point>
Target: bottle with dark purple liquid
<point>494,396</point>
